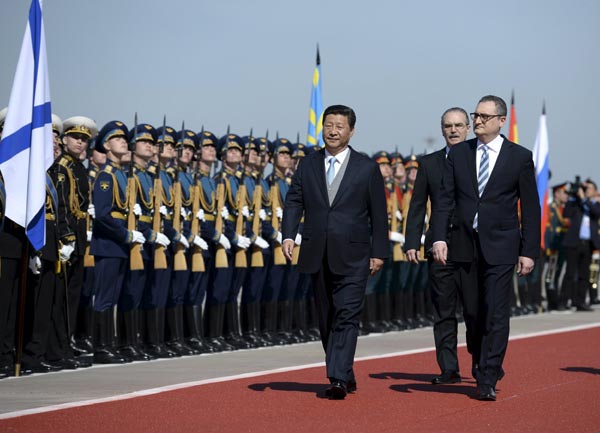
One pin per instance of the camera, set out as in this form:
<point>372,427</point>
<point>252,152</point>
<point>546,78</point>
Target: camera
<point>575,186</point>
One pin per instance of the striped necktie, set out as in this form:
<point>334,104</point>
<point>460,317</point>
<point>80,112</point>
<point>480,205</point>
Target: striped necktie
<point>482,178</point>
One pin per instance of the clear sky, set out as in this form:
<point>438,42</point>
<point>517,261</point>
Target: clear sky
<point>398,63</point>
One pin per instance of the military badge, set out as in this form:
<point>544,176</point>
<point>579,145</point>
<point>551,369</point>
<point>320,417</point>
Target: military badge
<point>104,186</point>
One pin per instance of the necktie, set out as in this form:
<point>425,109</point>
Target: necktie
<point>331,170</point>
<point>482,178</point>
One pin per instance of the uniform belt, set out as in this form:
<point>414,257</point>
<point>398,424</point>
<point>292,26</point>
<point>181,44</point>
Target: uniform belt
<point>231,218</point>
<point>118,215</point>
<point>80,214</point>
<point>208,217</point>
<point>168,217</point>
<point>145,218</point>
<point>50,217</point>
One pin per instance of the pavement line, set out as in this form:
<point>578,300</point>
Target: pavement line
<point>158,390</point>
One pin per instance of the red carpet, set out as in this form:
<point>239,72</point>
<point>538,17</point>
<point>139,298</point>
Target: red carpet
<point>552,385</point>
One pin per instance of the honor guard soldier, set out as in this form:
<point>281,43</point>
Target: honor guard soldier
<point>257,271</point>
<point>182,218</point>
<point>276,296</point>
<point>111,240</point>
<point>223,295</point>
<point>57,130</point>
<point>206,200</point>
<point>142,139</point>
<point>12,239</point>
<point>155,297</point>
<point>555,252</point>
<point>71,179</point>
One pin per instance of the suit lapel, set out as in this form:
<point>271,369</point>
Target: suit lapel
<point>319,169</point>
<point>441,159</point>
<point>472,165</point>
<point>503,159</point>
<point>347,179</point>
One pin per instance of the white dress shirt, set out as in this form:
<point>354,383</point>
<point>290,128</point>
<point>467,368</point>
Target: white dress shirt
<point>340,158</point>
<point>494,147</point>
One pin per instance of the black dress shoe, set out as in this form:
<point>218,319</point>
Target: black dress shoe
<point>446,377</point>
<point>583,307</point>
<point>41,367</point>
<point>66,364</point>
<point>337,390</point>
<point>486,393</point>
<point>351,386</point>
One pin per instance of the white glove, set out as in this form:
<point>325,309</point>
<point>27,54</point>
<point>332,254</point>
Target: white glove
<point>261,243</point>
<point>162,239</point>
<point>596,255</point>
<point>163,210</point>
<point>183,241</point>
<point>243,242</point>
<point>426,218</point>
<point>66,251</point>
<point>422,239</point>
<point>279,238</point>
<point>246,211</point>
<point>35,265</point>
<point>137,209</point>
<point>262,215</point>
<point>399,215</point>
<point>183,211</point>
<point>298,239</point>
<point>397,237</point>
<point>137,237</point>
<point>224,212</point>
<point>279,212</point>
<point>91,210</point>
<point>200,243</point>
<point>200,215</point>
<point>224,242</point>
<point>88,235</point>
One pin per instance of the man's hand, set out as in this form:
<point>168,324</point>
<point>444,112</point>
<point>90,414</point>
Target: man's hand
<point>375,265</point>
<point>288,249</point>
<point>525,266</point>
<point>440,252</point>
<point>413,256</point>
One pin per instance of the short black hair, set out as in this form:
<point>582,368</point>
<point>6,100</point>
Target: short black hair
<point>501,109</point>
<point>344,111</point>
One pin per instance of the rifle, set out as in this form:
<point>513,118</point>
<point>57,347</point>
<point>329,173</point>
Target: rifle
<point>220,255</point>
<point>197,259</point>
<point>296,250</point>
<point>278,257</point>
<point>241,261</point>
<point>136,263</point>
<point>160,259</point>
<point>256,257</point>
<point>88,259</point>
<point>179,261</point>
<point>393,207</point>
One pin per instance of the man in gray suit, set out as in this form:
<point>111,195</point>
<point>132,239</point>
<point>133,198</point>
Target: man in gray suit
<point>345,238</point>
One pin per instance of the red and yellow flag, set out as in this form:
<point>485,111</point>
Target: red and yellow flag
<point>513,131</point>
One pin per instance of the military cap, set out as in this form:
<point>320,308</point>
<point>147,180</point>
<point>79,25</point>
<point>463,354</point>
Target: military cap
<point>560,186</point>
<point>231,141</point>
<point>186,138</point>
<point>299,151</point>
<point>411,162</point>
<point>112,129</point>
<point>207,138</point>
<point>263,144</point>
<point>144,132</point>
<point>167,136</point>
<point>57,124</point>
<point>382,157</point>
<point>396,158</point>
<point>281,145</point>
<point>250,143</point>
<point>80,125</point>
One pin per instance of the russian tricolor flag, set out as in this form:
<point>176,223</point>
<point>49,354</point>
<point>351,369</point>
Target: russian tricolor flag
<point>542,172</point>
<point>26,147</point>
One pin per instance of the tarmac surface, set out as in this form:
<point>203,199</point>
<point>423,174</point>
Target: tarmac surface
<point>109,381</point>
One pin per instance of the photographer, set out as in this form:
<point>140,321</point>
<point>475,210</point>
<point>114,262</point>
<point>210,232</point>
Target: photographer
<point>583,209</point>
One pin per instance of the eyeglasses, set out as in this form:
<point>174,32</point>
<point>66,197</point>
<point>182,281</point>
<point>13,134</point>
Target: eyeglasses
<point>455,125</point>
<point>484,117</point>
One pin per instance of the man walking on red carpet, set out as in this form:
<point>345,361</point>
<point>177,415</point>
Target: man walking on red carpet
<point>345,238</point>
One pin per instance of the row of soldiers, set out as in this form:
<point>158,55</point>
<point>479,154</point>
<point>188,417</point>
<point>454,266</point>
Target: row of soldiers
<point>152,253</point>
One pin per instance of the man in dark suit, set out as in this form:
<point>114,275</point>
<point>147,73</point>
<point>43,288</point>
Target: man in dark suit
<point>345,238</point>
<point>442,281</point>
<point>582,238</point>
<point>477,212</point>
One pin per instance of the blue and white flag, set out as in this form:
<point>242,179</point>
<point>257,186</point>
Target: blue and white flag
<point>26,147</point>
